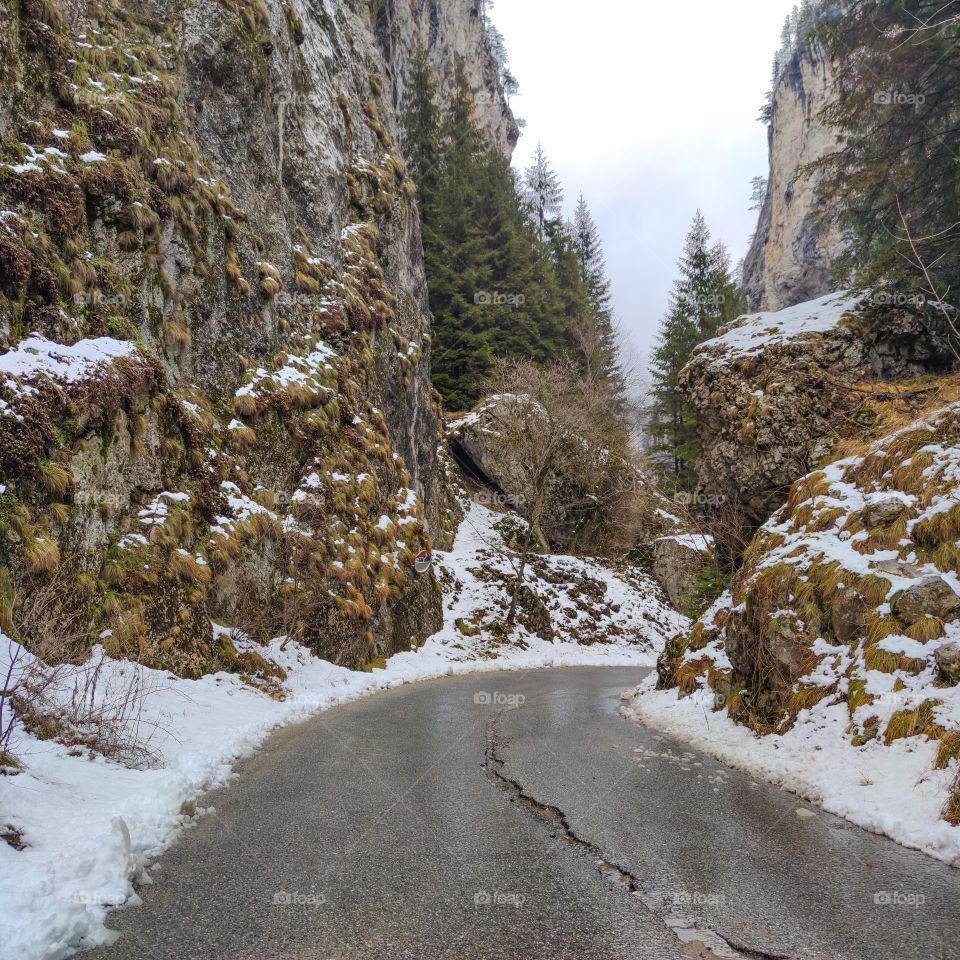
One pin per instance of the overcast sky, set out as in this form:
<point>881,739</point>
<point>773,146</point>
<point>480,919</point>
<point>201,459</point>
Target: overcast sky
<point>649,108</point>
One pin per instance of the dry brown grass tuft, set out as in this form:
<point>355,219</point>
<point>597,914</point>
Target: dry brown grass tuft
<point>186,566</point>
<point>41,556</point>
<point>949,749</point>
<point>912,723</point>
<point>245,404</point>
<point>951,810</point>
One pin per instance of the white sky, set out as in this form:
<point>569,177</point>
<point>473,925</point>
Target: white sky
<point>650,108</point>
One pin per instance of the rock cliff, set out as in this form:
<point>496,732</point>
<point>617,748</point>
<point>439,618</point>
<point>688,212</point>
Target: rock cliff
<point>792,253</point>
<point>214,387</point>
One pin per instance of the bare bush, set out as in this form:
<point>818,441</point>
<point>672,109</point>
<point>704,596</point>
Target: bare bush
<point>97,705</point>
<point>573,462</point>
<point>56,687</point>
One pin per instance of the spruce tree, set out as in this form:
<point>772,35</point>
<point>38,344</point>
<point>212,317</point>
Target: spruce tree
<point>606,358</point>
<point>497,289</point>
<point>671,426</point>
<point>543,190</point>
<point>705,296</point>
<point>507,277</point>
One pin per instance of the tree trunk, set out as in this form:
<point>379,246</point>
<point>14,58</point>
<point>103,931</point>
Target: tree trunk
<point>533,531</point>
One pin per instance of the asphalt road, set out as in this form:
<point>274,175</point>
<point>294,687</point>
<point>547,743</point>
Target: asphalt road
<point>535,823</point>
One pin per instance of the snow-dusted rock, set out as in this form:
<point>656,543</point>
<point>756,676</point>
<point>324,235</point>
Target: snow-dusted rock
<point>772,389</point>
<point>948,661</point>
<point>678,562</point>
<point>931,597</point>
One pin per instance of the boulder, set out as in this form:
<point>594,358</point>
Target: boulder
<point>882,513</point>
<point>948,662</point>
<point>931,597</point>
<point>789,642</point>
<point>669,661</point>
<point>848,615</point>
<point>769,391</point>
<point>678,562</point>
<point>476,441</point>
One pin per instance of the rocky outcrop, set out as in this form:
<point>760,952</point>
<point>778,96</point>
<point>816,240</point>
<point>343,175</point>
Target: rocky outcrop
<point>773,391</point>
<point>214,193</point>
<point>839,599</point>
<point>793,251</point>
<point>453,34</point>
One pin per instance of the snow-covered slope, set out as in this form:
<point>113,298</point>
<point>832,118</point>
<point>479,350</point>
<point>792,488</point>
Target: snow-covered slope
<point>90,826</point>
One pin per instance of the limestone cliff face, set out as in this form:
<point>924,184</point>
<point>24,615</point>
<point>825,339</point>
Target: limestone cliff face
<point>452,32</point>
<point>791,257</point>
<point>214,333</point>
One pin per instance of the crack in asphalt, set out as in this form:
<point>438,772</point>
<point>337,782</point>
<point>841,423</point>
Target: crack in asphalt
<point>699,941</point>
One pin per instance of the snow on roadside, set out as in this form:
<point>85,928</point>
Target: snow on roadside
<point>91,827</point>
<point>892,790</point>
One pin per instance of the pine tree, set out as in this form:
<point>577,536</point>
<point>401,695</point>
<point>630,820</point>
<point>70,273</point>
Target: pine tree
<point>543,191</point>
<point>704,296</point>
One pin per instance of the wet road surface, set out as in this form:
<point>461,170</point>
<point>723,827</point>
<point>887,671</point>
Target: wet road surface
<point>518,815</point>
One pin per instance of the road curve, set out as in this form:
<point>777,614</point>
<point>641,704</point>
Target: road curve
<point>517,815</point>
